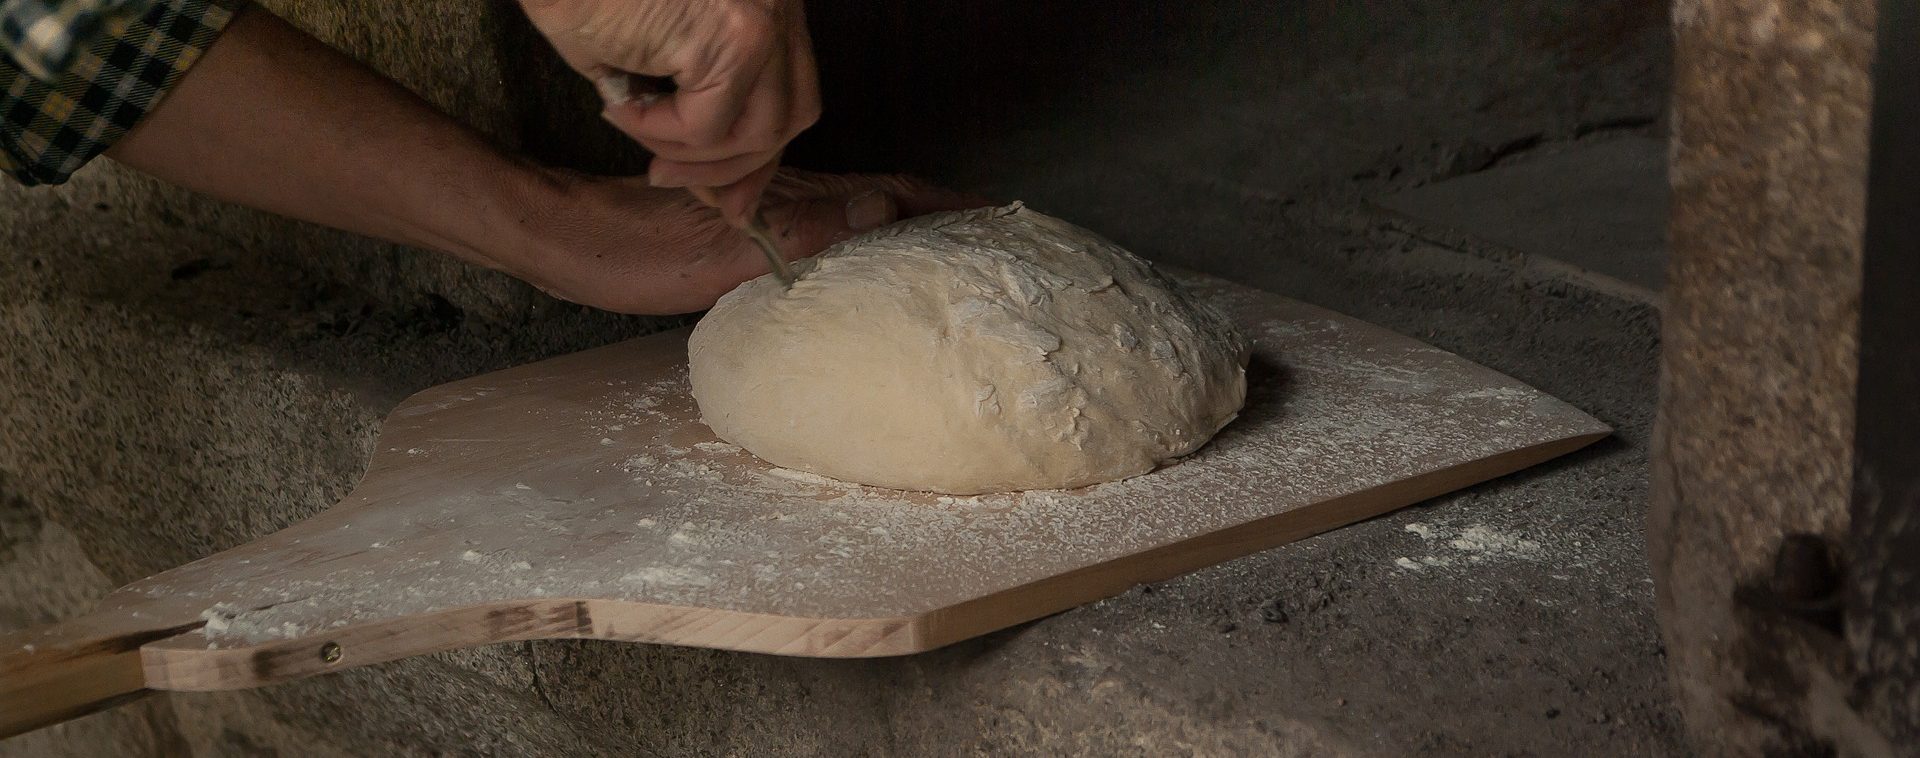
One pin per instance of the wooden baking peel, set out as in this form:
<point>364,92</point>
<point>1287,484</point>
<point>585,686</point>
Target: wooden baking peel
<point>580,497</point>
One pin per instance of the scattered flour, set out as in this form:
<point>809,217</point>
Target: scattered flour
<point>227,620</point>
<point>1480,540</point>
<point>1475,544</point>
<point>674,521</point>
<point>219,618</point>
<point>805,476</point>
<point>674,576</point>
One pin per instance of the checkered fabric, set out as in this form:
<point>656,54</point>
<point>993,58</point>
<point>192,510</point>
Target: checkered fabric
<point>40,35</point>
<point>113,72</point>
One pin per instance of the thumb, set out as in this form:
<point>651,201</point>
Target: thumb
<point>809,211</point>
<point>805,226</point>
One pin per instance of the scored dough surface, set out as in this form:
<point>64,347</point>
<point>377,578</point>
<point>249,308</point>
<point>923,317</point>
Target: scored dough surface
<point>989,350</point>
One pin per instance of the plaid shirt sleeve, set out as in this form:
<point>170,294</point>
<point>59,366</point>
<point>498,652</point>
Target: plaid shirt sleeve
<point>78,74</point>
<point>40,35</point>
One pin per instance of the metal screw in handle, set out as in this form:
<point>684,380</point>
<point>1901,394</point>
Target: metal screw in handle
<point>331,653</point>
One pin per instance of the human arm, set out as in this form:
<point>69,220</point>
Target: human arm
<point>273,119</point>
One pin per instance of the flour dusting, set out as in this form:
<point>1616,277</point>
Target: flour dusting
<point>680,576</point>
<point>664,514</point>
<point>229,620</point>
<point>1471,545</point>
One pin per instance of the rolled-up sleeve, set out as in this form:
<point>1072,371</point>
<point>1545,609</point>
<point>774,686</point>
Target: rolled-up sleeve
<point>78,74</point>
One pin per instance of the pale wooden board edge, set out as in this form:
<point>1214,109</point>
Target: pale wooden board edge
<point>184,663</point>
<point>45,686</point>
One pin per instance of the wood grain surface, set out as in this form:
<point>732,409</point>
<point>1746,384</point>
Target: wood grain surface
<point>580,497</point>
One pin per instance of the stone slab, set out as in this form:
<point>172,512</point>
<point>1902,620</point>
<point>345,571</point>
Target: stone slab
<point>1601,206</point>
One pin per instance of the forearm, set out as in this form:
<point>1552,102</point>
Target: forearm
<point>273,119</point>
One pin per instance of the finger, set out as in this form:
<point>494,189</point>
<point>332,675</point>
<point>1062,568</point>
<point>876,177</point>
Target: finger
<point>781,103</point>
<point>739,200</point>
<point>763,125</point>
<point>807,226</point>
<point>721,173</point>
<point>913,196</point>
<point>625,113</point>
<point>918,198</point>
<point>617,87</point>
<point>706,195</point>
<point>762,130</point>
<point>804,76</point>
<point>713,87</point>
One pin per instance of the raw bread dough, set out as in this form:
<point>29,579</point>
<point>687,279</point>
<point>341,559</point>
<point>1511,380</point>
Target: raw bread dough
<point>981,351</point>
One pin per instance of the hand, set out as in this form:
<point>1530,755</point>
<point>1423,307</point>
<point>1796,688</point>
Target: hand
<point>273,119</point>
<point>618,244</point>
<point>745,81</point>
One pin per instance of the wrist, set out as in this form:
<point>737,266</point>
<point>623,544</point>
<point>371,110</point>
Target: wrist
<point>500,224</point>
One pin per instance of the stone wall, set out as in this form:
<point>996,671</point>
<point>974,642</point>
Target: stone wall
<point>180,376</point>
<point>1753,467</point>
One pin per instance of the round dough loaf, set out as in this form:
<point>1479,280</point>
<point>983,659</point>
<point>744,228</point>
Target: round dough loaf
<point>990,350</point>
